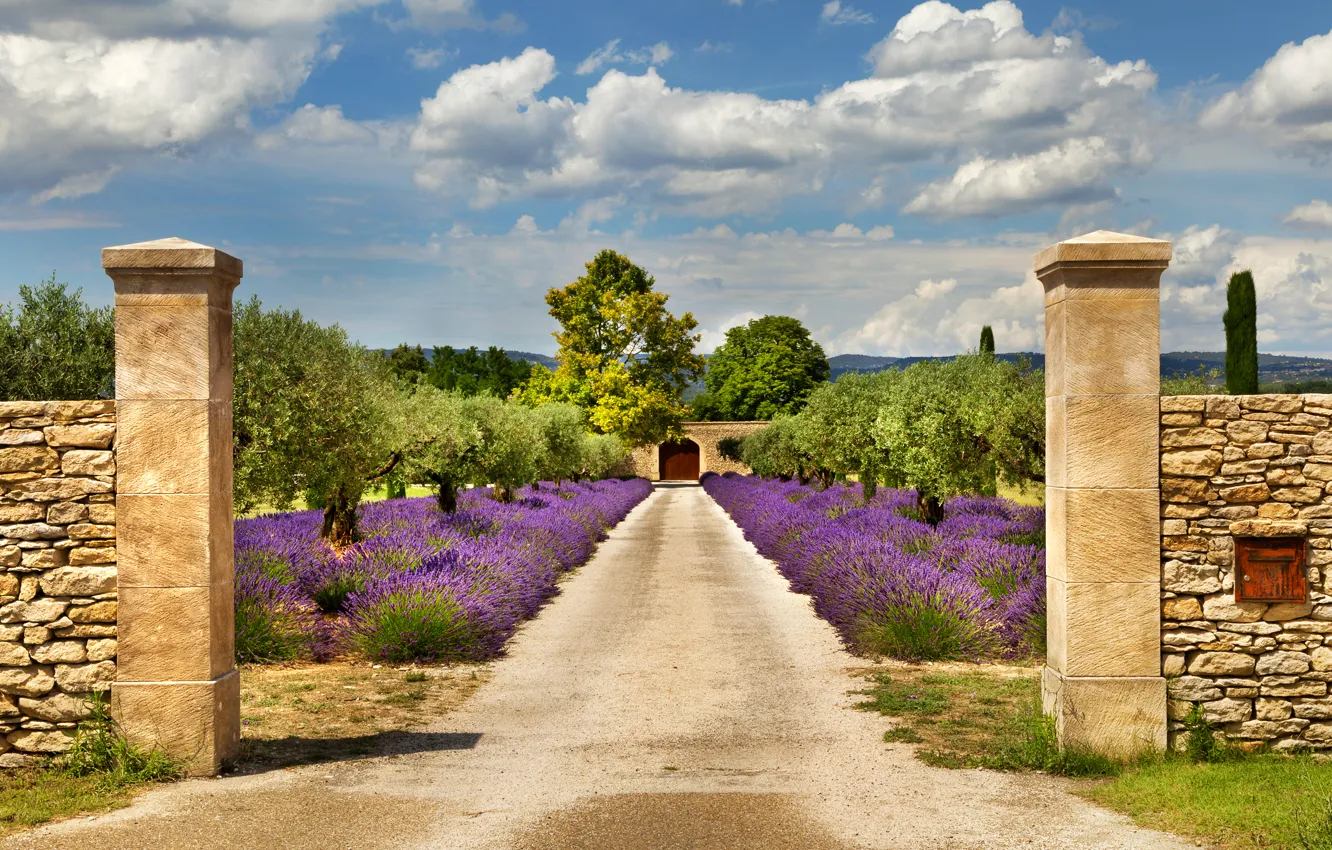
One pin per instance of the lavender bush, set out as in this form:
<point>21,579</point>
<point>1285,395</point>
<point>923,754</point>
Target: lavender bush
<point>422,585</point>
<point>971,587</point>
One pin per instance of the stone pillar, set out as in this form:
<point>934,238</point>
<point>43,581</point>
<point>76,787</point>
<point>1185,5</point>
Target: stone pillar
<point>176,685</point>
<point>1102,680</point>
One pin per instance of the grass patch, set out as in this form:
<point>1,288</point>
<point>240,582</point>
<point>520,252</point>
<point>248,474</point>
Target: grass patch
<point>1247,803</point>
<point>305,713</point>
<point>963,716</point>
<point>969,718</point>
<point>102,771</point>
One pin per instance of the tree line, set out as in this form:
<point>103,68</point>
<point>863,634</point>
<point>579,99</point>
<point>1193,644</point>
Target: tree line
<point>944,428</point>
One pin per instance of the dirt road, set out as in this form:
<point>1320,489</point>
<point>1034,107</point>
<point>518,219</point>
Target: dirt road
<point>675,695</point>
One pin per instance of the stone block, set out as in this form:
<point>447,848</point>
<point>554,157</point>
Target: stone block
<point>162,352</point>
<point>1107,345</point>
<point>97,612</point>
<point>175,633</point>
<point>28,459</point>
<point>1267,708</point>
<point>1181,608</point>
<point>1186,490</point>
<point>88,462</point>
<point>36,611</point>
<point>18,512</point>
<point>1221,664</point>
<point>1109,628</point>
<point>13,655</point>
<point>1245,432</point>
<point>1111,441</point>
<point>1182,438</point>
<point>1283,663</point>
<point>167,446</point>
<point>85,678</point>
<point>32,531</point>
<point>32,681</point>
<point>1204,463</point>
<point>196,721</point>
<point>169,541</point>
<point>1223,606</point>
<point>56,708</point>
<point>1228,710</point>
<point>86,556</point>
<point>79,581</point>
<point>102,649</point>
<point>63,513</point>
<point>29,741</point>
<point>60,652</point>
<point>1119,717</point>
<point>93,436</point>
<point>1103,535</point>
<point>91,531</point>
<point>1184,577</point>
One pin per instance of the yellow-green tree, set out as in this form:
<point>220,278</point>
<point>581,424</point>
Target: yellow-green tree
<point>624,358</point>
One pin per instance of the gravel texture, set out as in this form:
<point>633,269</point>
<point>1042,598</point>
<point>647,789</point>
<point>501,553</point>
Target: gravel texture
<point>675,695</point>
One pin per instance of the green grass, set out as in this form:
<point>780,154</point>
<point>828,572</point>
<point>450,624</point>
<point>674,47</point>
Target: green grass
<point>976,719</point>
<point>100,772</point>
<point>1216,793</point>
<point>413,491</point>
<point>1259,801</point>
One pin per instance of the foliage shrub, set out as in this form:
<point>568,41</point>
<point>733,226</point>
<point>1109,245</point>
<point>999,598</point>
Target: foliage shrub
<point>891,584</point>
<point>423,584</point>
<point>101,750</point>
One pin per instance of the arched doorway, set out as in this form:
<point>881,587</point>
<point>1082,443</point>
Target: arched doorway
<point>679,461</point>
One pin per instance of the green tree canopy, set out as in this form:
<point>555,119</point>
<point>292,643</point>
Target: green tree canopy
<point>312,411</point>
<point>951,427</point>
<point>765,368</point>
<point>408,363</point>
<point>1241,323</point>
<point>624,358</point>
<point>55,347</point>
<point>987,340</point>
<point>473,372</point>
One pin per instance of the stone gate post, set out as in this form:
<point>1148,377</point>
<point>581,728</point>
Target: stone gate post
<point>176,685</point>
<point>1102,680</point>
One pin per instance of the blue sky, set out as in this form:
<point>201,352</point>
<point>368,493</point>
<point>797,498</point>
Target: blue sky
<point>423,170</point>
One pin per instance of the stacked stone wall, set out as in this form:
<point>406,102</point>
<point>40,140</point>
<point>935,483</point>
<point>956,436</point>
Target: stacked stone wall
<point>1235,467</point>
<point>644,460</point>
<point>58,595</point>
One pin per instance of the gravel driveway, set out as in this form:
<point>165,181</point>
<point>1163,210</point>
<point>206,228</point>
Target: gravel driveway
<point>675,695</point>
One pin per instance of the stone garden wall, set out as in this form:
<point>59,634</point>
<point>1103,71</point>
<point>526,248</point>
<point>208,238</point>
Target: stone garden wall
<point>1235,467</point>
<point>644,460</point>
<point>58,595</point>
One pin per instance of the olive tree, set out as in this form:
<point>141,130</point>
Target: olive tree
<point>835,427</point>
<point>313,411</point>
<point>511,449</point>
<point>950,427</point>
<point>563,429</point>
<point>441,442</point>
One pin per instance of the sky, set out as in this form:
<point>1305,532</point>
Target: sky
<point>424,170</point>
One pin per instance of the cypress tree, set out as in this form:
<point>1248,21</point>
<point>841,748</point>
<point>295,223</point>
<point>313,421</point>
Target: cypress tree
<point>987,341</point>
<point>1241,321</point>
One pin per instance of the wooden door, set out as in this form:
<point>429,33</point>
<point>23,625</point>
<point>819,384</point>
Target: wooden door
<point>679,461</point>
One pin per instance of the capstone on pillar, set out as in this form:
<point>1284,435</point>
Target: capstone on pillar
<point>177,687</point>
<point>1102,679</point>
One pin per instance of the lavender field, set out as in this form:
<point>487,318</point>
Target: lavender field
<point>971,588</point>
<point>422,585</point>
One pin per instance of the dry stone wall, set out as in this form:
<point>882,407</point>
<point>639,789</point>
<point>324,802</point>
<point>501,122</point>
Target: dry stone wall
<point>644,460</point>
<point>57,570</point>
<point>1246,467</point>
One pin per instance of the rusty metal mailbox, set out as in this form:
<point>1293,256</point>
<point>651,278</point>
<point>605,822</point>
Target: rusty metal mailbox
<point>1270,569</point>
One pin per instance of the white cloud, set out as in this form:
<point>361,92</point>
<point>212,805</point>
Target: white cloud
<point>456,14</point>
<point>715,47</point>
<point>320,125</point>
<point>836,14</point>
<point>711,338</point>
<point>610,54</point>
<point>1288,99</point>
<point>423,59</point>
<point>1316,213</point>
<point>972,90</point>
<point>1076,171</point>
<point>77,185</point>
<point>929,290</point>
<point>87,87</point>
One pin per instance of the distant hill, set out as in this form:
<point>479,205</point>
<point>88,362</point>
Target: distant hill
<point>530,357</point>
<point>1272,368</point>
